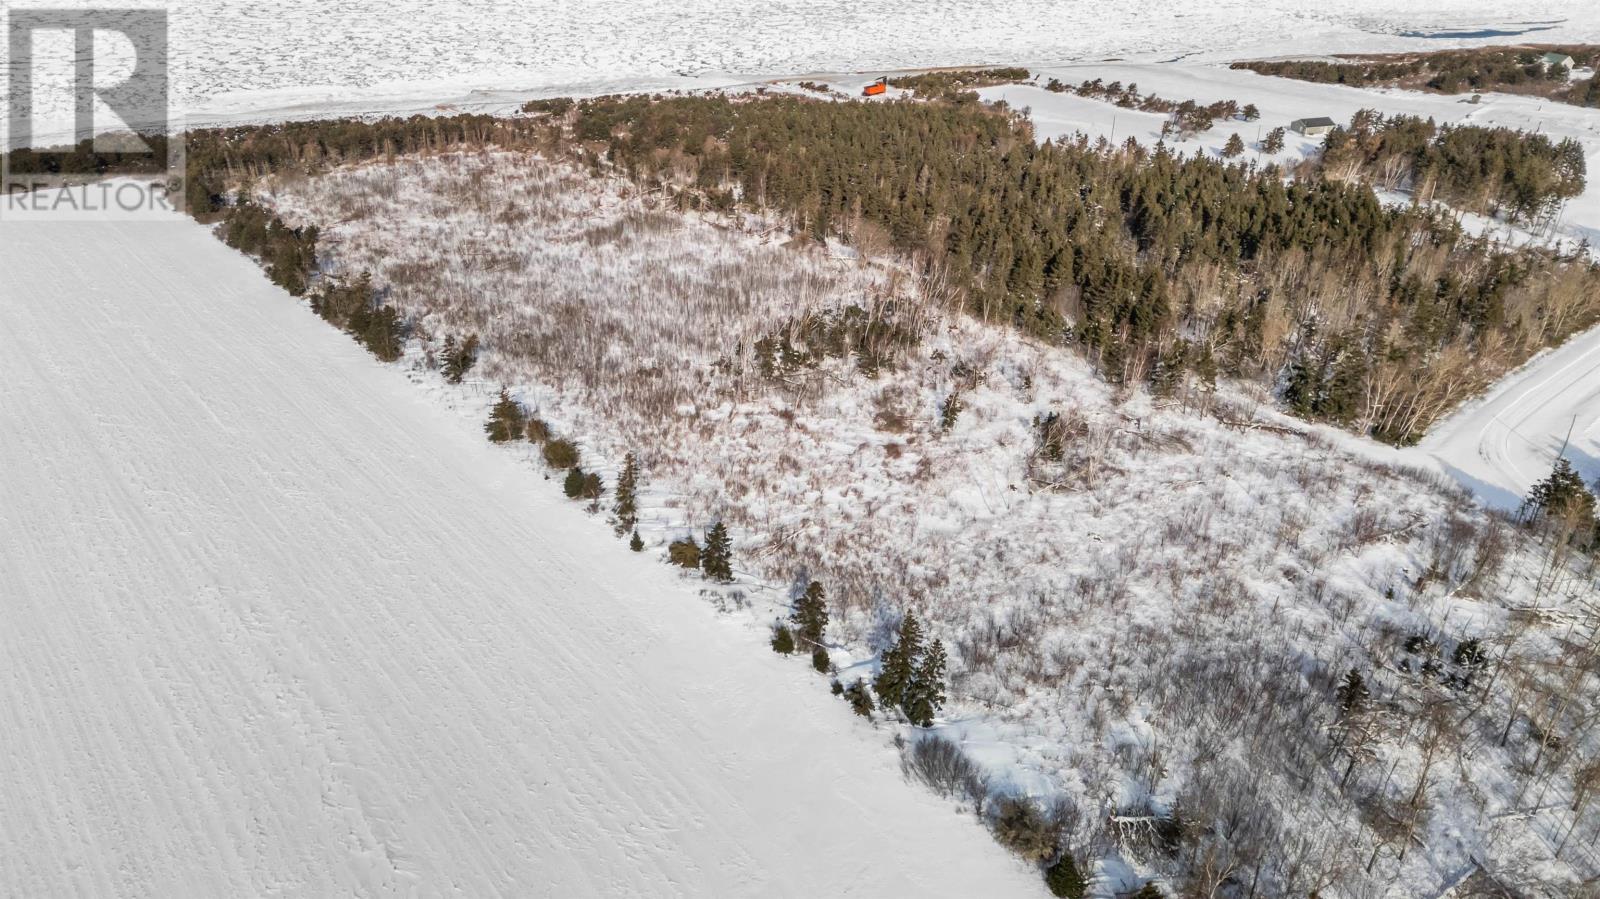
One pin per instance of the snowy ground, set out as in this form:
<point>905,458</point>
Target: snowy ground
<point>1113,617</point>
<point>1500,445</point>
<point>248,698</point>
<point>274,625</point>
<point>240,59</point>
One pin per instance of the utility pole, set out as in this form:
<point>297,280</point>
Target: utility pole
<point>1570,426</point>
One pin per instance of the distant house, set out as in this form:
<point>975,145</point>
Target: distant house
<point>1313,126</point>
<point>1551,60</point>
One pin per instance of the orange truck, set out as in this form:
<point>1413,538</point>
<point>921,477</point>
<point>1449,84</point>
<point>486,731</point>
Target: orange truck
<point>875,88</point>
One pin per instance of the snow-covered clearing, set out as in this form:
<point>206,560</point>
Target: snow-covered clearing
<point>1147,603</point>
<point>240,60</point>
<point>271,624</point>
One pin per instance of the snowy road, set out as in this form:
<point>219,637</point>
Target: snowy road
<point>1499,446</point>
<point>272,624</point>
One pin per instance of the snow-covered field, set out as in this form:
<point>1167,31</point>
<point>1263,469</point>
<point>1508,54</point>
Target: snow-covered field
<point>271,624</point>
<point>243,60</point>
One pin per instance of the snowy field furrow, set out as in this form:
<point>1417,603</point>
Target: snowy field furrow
<point>272,624</point>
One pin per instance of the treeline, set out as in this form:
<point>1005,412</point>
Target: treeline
<point>1487,170</point>
<point>1185,117</point>
<point>289,256</point>
<point>955,82</point>
<point>1354,73</point>
<point>218,158</point>
<point>1164,269</point>
<point>1512,70</point>
<point>83,158</point>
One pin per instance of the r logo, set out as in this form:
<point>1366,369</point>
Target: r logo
<point>120,108</point>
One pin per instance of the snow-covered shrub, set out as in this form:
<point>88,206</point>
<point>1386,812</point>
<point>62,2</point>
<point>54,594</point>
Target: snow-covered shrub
<point>943,767</point>
<point>1021,827</point>
<point>560,453</point>
<point>684,553</point>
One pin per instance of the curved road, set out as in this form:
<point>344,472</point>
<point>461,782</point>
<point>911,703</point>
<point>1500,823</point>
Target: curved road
<point>1501,445</point>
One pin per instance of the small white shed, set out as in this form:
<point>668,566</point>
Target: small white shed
<point>1313,126</point>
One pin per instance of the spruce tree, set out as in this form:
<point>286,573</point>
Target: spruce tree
<point>505,419</point>
<point>1302,385</point>
<point>636,544</point>
<point>1234,146</point>
<point>716,560</point>
<point>1064,879</point>
<point>898,666</point>
<point>810,614</point>
<point>445,354</point>
<point>782,640</point>
<point>573,485</point>
<point>1560,494</point>
<point>1273,143</point>
<point>949,410</point>
<point>925,696</point>
<point>860,699</point>
<point>457,358</point>
<point>1343,392</point>
<point>820,660</point>
<point>1352,694</point>
<point>627,502</point>
<point>379,330</point>
<point>1472,659</point>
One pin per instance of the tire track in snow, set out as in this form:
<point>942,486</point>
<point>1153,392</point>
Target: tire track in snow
<point>1501,445</point>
